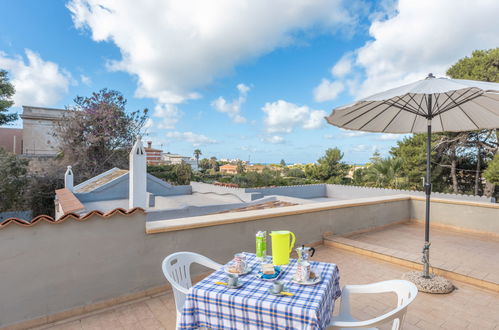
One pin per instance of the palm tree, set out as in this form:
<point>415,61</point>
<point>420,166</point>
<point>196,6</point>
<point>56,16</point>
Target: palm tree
<point>385,173</point>
<point>197,153</point>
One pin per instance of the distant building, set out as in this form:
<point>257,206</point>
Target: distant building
<point>173,159</point>
<point>255,168</point>
<point>11,139</point>
<point>153,155</point>
<point>228,169</point>
<point>38,130</point>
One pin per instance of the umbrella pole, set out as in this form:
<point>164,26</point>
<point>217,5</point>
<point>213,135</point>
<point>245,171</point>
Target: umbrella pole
<point>427,187</point>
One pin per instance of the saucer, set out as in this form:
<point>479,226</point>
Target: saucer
<point>273,277</point>
<point>280,294</point>
<point>316,280</point>
<point>239,284</point>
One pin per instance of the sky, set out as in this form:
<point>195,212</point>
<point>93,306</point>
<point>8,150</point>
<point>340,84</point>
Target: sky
<point>247,79</point>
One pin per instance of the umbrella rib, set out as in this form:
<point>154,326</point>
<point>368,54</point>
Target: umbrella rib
<point>444,104</point>
<point>355,118</point>
<point>441,122</point>
<point>406,106</point>
<point>417,114</point>
<point>360,108</point>
<point>457,104</point>
<point>400,110</point>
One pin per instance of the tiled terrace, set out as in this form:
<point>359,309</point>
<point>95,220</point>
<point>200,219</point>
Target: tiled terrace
<point>466,253</point>
<point>468,307</point>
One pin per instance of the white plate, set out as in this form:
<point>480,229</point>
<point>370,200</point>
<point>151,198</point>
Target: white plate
<point>246,271</point>
<point>312,282</point>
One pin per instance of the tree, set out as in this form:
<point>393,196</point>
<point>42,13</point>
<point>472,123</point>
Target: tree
<point>214,164</point>
<point>483,65</point>
<point>240,167</point>
<point>178,174</point>
<point>97,133</point>
<point>183,172</point>
<point>13,181</point>
<point>6,92</point>
<point>491,174</point>
<point>283,163</point>
<point>204,164</point>
<point>197,153</point>
<point>385,173</point>
<point>330,166</point>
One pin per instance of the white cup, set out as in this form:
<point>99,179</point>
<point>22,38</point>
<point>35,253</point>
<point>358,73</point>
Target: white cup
<point>277,287</point>
<point>232,280</point>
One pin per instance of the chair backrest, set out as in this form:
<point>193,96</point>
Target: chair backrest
<point>406,293</point>
<point>176,268</point>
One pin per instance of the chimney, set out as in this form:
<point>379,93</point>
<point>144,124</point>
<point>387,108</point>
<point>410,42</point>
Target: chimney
<point>137,176</point>
<point>69,179</point>
<point>149,144</point>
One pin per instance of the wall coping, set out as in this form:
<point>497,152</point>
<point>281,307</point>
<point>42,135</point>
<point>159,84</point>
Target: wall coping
<point>161,226</point>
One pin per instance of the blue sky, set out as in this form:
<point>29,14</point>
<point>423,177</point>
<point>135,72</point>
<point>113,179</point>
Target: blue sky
<point>238,79</point>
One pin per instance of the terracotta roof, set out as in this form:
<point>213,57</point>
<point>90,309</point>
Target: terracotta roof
<point>67,216</point>
<point>68,201</point>
<point>228,166</point>
<point>102,180</point>
<point>268,205</point>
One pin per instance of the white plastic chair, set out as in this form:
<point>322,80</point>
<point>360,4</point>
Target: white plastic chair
<point>406,293</point>
<point>176,268</point>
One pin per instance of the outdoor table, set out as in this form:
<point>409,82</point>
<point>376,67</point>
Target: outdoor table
<point>215,306</point>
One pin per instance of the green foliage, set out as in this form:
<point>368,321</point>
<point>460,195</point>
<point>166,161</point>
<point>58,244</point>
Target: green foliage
<point>204,164</point>
<point>98,133</point>
<point>178,174</point>
<point>330,168</point>
<point>41,191</point>
<point>282,163</point>
<point>385,173</point>
<point>412,153</point>
<point>491,174</point>
<point>197,153</point>
<point>482,65</point>
<point>240,167</point>
<point>13,181</point>
<point>295,173</point>
<point>6,92</point>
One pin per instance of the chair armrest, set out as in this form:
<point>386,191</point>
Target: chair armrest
<point>207,262</point>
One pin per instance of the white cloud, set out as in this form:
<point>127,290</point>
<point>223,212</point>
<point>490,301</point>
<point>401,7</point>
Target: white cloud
<point>343,66</point>
<point>274,139</point>
<point>37,82</point>
<point>86,80</point>
<point>282,116</point>
<point>422,37</point>
<point>350,133</point>
<point>328,136</point>
<point>167,115</point>
<point>328,90</point>
<point>193,138</point>
<point>389,136</point>
<point>233,109</point>
<point>174,48</point>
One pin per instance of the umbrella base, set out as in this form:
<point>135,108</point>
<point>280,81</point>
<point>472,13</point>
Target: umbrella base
<point>434,284</point>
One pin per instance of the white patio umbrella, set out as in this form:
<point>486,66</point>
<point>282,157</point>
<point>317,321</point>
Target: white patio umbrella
<point>429,105</point>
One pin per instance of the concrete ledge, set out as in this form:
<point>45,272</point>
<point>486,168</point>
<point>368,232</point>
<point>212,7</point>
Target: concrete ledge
<point>408,260</point>
<point>162,226</point>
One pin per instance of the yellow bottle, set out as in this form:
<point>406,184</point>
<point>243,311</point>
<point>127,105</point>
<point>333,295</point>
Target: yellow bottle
<point>281,247</point>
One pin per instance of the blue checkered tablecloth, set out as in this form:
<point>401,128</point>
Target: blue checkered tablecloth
<point>215,306</point>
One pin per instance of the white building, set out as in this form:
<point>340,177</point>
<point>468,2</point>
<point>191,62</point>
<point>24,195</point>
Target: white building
<point>174,159</point>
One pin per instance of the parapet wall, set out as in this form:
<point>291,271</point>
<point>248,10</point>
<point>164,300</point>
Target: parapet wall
<point>349,192</point>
